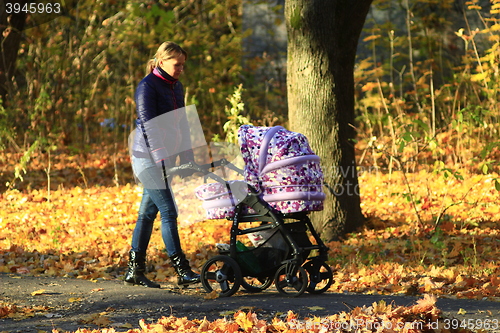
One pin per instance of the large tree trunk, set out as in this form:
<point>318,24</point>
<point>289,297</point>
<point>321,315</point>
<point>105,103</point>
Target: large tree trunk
<point>11,26</point>
<point>322,40</point>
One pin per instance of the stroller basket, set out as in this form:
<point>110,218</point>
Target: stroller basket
<point>267,256</point>
<point>259,261</point>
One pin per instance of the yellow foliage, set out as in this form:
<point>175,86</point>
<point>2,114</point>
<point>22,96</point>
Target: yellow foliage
<point>84,232</point>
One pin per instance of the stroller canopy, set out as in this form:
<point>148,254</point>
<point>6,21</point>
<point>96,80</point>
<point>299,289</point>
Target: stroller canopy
<point>282,166</point>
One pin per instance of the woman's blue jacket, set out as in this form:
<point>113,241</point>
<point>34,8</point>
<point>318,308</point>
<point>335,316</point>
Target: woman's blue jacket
<point>156,134</point>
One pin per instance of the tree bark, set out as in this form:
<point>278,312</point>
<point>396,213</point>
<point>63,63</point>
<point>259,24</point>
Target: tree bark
<point>11,26</point>
<point>322,42</point>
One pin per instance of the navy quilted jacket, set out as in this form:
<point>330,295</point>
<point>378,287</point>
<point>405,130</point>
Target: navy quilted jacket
<point>157,94</point>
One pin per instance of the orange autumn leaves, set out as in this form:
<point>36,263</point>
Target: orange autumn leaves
<point>85,233</point>
<point>423,316</point>
<point>77,231</point>
<point>466,197</point>
<point>430,232</point>
<point>20,312</point>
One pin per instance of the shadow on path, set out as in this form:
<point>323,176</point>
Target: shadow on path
<point>75,303</point>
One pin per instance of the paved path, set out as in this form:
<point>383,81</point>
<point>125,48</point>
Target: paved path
<point>73,301</point>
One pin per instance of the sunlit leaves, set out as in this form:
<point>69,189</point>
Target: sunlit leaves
<point>15,312</point>
<point>422,316</point>
<point>85,233</point>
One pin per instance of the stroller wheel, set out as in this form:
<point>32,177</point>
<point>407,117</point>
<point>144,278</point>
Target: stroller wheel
<point>320,276</point>
<point>291,280</point>
<point>222,274</point>
<point>256,285</point>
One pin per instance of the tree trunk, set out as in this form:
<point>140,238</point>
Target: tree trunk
<point>11,26</point>
<point>322,41</point>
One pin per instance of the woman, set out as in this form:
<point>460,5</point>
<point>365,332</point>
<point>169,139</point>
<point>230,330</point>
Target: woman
<point>157,95</point>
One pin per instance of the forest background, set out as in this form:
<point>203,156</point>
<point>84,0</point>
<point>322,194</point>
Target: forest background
<point>428,141</point>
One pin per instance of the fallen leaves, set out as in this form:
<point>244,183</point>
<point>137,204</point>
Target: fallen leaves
<point>38,292</point>
<point>426,305</point>
<point>396,254</point>
<point>412,279</point>
<point>7,309</point>
<point>212,295</point>
<point>423,316</point>
<point>98,319</point>
<point>85,233</point>
<point>315,308</point>
<point>20,312</point>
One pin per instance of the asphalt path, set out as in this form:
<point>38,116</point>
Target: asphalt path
<point>74,303</point>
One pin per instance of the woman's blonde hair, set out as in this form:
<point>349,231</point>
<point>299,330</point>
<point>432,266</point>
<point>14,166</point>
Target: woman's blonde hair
<point>167,50</point>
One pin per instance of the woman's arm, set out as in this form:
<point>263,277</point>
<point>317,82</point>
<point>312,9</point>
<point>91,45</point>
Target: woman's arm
<point>147,110</point>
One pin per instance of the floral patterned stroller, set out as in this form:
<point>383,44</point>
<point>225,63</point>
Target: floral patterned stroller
<point>282,184</point>
<point>280,165</point>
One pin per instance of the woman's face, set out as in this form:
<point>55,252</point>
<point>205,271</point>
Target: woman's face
<point>173,66</point>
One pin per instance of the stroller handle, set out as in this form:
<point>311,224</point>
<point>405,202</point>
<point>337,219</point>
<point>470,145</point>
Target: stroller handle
<point>186,166</point>
<point>202,168</point>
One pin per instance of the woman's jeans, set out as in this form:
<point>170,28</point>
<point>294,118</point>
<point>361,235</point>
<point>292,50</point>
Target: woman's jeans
<point>157,196</point>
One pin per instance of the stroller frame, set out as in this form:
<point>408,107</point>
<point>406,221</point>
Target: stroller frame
<point>294,275</point>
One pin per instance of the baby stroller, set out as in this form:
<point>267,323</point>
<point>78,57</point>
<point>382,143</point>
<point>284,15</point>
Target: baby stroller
<point>282,184</point>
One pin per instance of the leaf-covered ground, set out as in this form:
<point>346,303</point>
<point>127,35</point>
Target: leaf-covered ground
<point>427,233</point>
<point>422,316</point>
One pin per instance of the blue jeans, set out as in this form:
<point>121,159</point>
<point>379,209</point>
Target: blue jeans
<point>156,197</point>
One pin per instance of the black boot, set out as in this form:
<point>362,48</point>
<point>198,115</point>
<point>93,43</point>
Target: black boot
<point>186,275</point>
<point>136,268</point>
